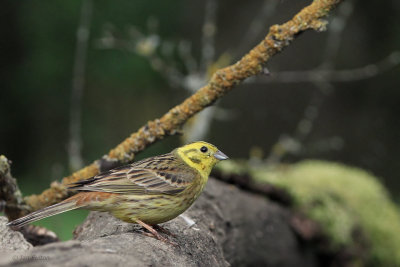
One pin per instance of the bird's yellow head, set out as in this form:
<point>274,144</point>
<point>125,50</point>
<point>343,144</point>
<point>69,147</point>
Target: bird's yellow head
<point>201,155</point>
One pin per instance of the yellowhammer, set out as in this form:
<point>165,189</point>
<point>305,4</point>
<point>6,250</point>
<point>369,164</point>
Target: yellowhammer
<point>146,192</point>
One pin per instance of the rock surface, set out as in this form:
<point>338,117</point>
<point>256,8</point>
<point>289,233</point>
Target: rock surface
<point>232,227</point>
<point>11,240</point>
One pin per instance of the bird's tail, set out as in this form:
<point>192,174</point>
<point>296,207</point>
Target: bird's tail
<point>63,206</point>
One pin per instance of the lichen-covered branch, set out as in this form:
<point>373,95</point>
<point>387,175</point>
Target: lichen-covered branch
<point>221,83</point>
<point>13,204</point>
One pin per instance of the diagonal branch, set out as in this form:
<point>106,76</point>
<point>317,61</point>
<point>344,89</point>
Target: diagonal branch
<point>220,84</point>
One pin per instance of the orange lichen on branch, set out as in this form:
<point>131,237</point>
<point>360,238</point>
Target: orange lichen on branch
<point>222,81</point>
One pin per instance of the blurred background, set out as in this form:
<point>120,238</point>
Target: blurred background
<point>77,77</point>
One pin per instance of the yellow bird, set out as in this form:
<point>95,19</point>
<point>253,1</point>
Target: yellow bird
<point>147,192</point>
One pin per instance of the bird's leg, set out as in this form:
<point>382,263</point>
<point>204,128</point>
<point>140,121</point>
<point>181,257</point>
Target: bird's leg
<point>163,230</point>
<point>155,233</point>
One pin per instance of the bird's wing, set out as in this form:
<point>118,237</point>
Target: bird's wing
<point>162,174</point>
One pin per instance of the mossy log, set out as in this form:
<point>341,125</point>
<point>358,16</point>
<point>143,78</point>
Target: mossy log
<point>353,211</point>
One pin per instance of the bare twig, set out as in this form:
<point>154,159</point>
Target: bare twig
<point>337,26</point>
<point>257,25</point>
<point>82,38</point>
<point>322,77</point>
<point>209,31</point>
<point>295,143</point>
<point>220,84</point>
<point>185,53</point>
<point>146,45</point>
<point>198,128</point>
<point>347,75</point>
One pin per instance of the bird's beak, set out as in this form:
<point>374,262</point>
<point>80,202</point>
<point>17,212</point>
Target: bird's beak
<point>220,156</point>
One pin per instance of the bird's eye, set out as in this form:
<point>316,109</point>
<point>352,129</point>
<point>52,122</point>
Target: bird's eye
<point>203,149</point>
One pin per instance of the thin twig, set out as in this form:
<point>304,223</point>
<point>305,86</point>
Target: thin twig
<point>335,33</point>
<point>257,25</point>
<point>295,143</point>
<point>209,30</point>
<point>223,81</point>
<point>78,82</point>
<point>200,124</point>
<point>346,75</point>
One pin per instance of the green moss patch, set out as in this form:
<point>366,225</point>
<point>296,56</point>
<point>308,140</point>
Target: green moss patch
<point>341,199</point>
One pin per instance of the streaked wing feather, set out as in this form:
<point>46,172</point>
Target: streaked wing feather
<point>150,176</point>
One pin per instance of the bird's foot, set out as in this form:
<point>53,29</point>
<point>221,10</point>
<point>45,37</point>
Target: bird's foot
<point>163,230</point>
<point>153,233</point>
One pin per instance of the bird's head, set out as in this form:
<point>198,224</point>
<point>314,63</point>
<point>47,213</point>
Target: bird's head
<point>201,155</point>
